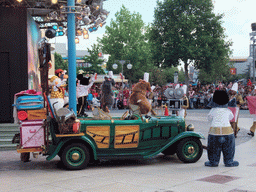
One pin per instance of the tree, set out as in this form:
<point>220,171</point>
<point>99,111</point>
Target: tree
<point>125,39</point>
<point>59,62</point>
<point>94,61</point>
<point>188,32</point>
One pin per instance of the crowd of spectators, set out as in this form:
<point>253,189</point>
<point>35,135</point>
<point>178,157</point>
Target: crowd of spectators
<point>199,95</point>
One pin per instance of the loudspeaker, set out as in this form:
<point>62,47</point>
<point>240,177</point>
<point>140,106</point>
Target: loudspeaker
<point>50,33</point>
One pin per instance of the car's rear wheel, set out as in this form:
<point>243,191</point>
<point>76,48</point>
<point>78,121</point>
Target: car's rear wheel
<point>189,150</point>
<point>75,156</point>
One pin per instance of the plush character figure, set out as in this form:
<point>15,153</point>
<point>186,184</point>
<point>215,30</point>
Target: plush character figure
<point>221,135</point>
<point>138,97</point>
<point>57,92</point>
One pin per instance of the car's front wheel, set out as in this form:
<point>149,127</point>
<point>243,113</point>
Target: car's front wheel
<point>75,156</point>
<point>189,150</point>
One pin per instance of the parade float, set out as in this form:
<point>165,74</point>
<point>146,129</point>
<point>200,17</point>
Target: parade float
<point>48,131</point>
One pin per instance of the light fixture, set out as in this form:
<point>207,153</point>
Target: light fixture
<point>101,24</point>
<point>19,1</point>
<point>129,66</point>
<point>115,66</point>
<point>76,40</point>
<point>94,28</point>
<point>86,36</point>
<point>50,33</point>
<point>104,12</point>
<point>59,33</point>
<point>78,1</point>
<point>98,21</point>
<point>96,6</point>
<point>55,27</point>
<point>78,32</point>
<point>86,20</point>
<point>54,1</point>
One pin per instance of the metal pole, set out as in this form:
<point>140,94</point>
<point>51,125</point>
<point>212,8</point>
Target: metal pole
<point>71,56</point>
<point>122,81</point>
<point>253,60</point>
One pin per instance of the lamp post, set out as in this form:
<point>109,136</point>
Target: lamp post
<point>253,34</point>
<point>129,66</point>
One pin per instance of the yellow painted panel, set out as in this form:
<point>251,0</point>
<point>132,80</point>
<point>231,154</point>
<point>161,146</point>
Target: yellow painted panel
<point>127,136</point>
<point>100,134</point>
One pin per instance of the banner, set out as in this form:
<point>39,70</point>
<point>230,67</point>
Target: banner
<point>251,100</point>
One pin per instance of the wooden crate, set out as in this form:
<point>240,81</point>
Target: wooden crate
<point>37,114</point>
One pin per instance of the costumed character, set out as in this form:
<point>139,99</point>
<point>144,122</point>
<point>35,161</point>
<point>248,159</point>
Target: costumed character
<point>63,76</point>
<point>57,92</point>
<point>82,91</point>
<point>251,100</point>
<point>138,97</point>
<point>183,111</point>
<point>221,135</point>
<point>107,93</point>
<point>232,105</point>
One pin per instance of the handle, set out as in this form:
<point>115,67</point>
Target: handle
<point>32,131</point>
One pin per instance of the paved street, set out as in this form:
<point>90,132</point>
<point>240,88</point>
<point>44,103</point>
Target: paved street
<point>161,173</point>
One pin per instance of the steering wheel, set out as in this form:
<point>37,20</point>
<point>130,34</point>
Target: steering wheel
<point>124,115</point>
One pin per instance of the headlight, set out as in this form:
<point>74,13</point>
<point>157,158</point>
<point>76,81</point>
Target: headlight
<point>190,127</point>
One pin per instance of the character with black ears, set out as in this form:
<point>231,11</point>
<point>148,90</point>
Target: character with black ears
<point>82,90</point>
<point>221,135</point>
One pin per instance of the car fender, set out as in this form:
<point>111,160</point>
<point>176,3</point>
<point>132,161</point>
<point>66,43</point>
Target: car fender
<point>175,139</point>
<point>64,141</point>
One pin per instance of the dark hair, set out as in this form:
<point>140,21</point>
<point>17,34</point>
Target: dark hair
<point>220,97</point>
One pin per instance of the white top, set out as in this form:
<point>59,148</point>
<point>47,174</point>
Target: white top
<point>220,117</point>
<point>82,90</point>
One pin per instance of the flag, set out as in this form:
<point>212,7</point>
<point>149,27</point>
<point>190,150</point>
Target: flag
<point>235,111</point>
<point>251,100</point>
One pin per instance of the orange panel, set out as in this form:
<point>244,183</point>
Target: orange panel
<point>100,134</point>
<point>127,136</point>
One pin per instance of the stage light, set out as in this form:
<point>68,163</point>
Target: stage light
<point>101,24</point>
<point>86,36</point>
<point>59,33</point>
<point>86,20</point>
<point>54,1</point>
<point>78,32</point>
<point>76,40</point>
<point>55,27</point>
<point>104,12</point>
<point>19,1</point>
<point>94,28</point>
<point>50,33</point>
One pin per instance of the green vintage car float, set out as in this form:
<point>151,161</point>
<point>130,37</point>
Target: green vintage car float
<point>81,141</point>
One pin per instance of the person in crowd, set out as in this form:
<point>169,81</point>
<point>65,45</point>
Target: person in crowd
<point>89,100</point>
<point>191,97</point>
<point>107,94</point>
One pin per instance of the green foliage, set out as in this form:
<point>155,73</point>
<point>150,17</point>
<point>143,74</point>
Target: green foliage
<point>59,62</point>
<point>189,32</point>
<point>126,39</point>
<point>160,76</point>
<point>94,60</point>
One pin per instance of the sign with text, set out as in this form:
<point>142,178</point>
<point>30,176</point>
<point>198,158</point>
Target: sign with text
<point>233,71</point>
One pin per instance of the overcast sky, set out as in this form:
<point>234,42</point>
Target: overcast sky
<point>238,16</point>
